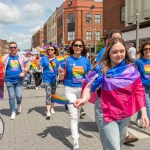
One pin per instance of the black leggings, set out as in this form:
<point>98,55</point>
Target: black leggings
<point>38,78</point>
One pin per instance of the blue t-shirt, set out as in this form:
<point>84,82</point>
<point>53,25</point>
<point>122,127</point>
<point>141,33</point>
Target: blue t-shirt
<point>50,69</point>
<point>100,54</point>
<point>76,70</point>
<point>13,70</point>
<point>143,66</point>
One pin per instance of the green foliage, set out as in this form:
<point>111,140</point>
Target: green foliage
<point>100,44</point>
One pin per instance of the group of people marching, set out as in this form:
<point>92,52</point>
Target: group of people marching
<point>122,87</point>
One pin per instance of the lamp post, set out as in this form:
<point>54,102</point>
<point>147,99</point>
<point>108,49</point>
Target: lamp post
<point>137,30</point>
<point>92,7</point>
<point>95,40</point>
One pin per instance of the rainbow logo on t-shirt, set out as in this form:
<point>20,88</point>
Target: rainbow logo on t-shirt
<point>52,66</point>
<point>147,71</point>
<point>78,74</point>
<point>14,65</point>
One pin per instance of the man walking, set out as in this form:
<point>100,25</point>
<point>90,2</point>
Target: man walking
<point>15,68</point>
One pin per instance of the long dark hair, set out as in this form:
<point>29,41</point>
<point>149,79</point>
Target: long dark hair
<point>106,61</point>
<point>71,51</point>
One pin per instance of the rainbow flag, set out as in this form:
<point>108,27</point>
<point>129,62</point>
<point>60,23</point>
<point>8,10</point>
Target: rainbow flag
<point>41,51</point>
<point>122,92</point>
<point>1,79</point>
<point>61,59</point>
<point>60,100</point>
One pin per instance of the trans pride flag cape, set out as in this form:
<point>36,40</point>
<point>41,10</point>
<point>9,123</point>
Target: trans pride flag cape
<point>1,79</point>
<point>122,92</point>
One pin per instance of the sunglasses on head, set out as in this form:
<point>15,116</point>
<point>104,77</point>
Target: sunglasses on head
<point>13,47</point>
<point>76,45</point>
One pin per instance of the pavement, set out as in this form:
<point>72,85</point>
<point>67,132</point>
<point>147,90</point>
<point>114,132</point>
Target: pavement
<point>31,131</point>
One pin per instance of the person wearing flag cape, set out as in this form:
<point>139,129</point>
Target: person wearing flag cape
<point>120,94</point>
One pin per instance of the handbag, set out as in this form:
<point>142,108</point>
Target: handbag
<point>62,72</point>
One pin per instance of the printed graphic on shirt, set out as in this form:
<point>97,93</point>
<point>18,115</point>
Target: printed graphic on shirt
<point>78,74</point>
<point>14,65</point>
<point>52,66</point>
<point>147,71</point>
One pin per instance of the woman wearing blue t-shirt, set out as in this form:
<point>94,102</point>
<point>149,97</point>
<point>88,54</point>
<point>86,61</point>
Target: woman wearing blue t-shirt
<point>50,72</point>
<point>143,65</point>
<point>77,67</point>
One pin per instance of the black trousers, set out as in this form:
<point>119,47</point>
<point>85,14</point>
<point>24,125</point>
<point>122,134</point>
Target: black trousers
<point>38,78</point>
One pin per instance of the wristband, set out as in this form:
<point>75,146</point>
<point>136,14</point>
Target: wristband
<point>24,71</point>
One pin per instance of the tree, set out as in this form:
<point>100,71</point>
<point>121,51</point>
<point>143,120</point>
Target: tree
<point>100,44</point>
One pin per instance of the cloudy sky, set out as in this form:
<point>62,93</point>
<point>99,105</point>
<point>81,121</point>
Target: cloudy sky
<point>19,19</point>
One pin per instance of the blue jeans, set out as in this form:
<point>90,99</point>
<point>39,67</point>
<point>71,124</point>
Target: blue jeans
<point>147,107</point>
<point>50,88</point>
<point>14,91</point>
<point>29,77</point>
<point>112,134</point>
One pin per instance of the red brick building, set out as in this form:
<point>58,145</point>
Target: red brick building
<point>4,47</point>
<point>37,39</point>
<point>79,19</point>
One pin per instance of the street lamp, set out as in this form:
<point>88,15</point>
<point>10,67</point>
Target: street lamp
<point>137,30</point>
<point>92,7</point>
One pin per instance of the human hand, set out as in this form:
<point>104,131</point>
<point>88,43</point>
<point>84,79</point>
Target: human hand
<point>145,121</point>
<point>79,102</point>
<point>22,74</point>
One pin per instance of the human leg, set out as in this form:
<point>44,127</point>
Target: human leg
<point>47,87</point>
<point>109,132</point>
<point>18,93</point>
<point>11,94</point>
<point>72,95</point>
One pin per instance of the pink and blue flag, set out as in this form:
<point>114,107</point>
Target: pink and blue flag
<point>122,92</point>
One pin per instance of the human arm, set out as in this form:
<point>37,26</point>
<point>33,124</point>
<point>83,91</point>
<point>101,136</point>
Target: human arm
<point>24,71</point>
<point>85,97</point>
<point>144,117</point>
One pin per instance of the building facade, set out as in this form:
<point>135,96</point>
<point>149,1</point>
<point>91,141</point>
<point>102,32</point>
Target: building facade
<point>37,39</point>
<point>52,29</point>
<point>4,47</point>
<point>79,19</point>
<point>122,15</point>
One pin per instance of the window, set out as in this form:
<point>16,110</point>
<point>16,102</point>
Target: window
<point>88,18</point>
<point>97,18</point>
<point>122,14</point>
<point>71,36</point>
<point>98,35</point>
<point>88,35</point>
<point>71,18</point>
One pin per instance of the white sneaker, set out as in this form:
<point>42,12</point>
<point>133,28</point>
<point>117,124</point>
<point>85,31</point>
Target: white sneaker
<point>75,145</point>
<point>48,115</point>
<point>13,115</point>
<point>39,88</point>
<point>28,86</point>
<point>52,110</point>
<point>36,88</point>
<point>19,108</point>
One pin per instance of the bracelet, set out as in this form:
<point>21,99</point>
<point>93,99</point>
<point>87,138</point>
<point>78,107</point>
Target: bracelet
<point>24,71</point>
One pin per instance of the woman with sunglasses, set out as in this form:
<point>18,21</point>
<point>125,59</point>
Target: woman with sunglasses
<point>77,67</point>
<point>50,72</point>
<point>143,65</point>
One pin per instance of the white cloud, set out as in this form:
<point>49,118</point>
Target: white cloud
<point>8,14</point>
<point>35,29</point>
<point>23,40</point>
<point>32,11</point>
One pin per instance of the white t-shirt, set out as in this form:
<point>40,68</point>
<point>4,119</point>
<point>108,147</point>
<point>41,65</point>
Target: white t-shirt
<point>132,52</point>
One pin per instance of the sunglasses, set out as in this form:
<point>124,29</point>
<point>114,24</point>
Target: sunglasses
<point>146,49</point>
<point>13,47</point>
<point>50,49</point>
<point>76,45</point>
